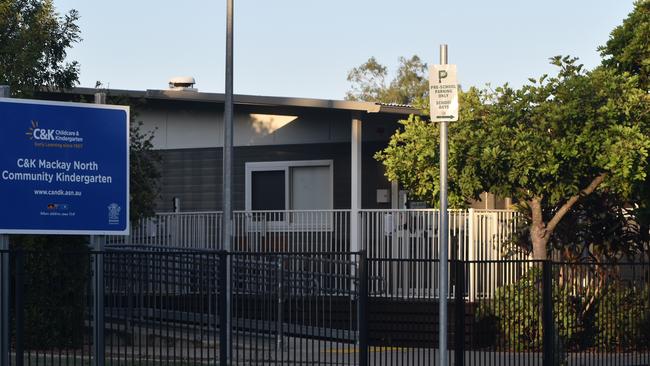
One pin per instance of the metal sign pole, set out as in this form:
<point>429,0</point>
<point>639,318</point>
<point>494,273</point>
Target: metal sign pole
<point>98,243</point>
<point>227,165</point>
<point>228,134</point>
<point>4,281</point>
<point>443,233</point>
<point>4,301</point>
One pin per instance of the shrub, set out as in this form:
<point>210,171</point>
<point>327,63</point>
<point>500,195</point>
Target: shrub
<point>56,290</point>
<point>518,312</point>
<point>622,319</point>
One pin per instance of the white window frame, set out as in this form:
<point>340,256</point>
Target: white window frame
<point>286,166</point>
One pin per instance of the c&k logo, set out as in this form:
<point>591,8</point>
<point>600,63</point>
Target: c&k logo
<point>36,133</point>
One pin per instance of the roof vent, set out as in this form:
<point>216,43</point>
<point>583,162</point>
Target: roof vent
<point>182,83</point>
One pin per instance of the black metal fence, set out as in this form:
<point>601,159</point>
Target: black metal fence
<point>164,307</point>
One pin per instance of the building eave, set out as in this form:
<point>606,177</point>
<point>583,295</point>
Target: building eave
<point>253,100</point>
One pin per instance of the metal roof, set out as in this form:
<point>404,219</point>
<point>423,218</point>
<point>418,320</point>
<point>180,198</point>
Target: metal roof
<point>241,99</point>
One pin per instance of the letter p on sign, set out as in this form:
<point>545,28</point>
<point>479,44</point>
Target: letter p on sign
<point>442,74</point>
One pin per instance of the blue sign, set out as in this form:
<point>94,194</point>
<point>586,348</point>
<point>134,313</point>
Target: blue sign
<point>64,168</point>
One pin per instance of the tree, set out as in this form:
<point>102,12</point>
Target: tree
<point>576,210</point>
<point>410,85</point>
<point>368,81</point>
<point>547,145</point>
<point>599,227</point>
<point>628,51</point>
<point>628,47</point>
<point>34,40</point>
<point>412,155</point>
<point>144,161</point>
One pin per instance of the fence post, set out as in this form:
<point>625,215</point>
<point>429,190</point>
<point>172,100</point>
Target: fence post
<point>4,279</point>
<point>547,314</point>
<point>222,307</point>
<point>20,306</point>
<point>4,300</point>
<point>471,252</point>
<point>279,321</point>
<point>362,308</point>
<point>98,243</point>
<point>19,310</point>
<point>459,341</point>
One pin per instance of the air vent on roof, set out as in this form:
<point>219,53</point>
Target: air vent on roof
<point>183,83</point>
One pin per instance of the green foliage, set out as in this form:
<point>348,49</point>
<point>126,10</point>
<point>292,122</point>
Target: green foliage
<point>410,85</point>
<point>56,289</point>
<point>546,141</point>
<point>553,138</point>
<point>34,40</point>
<point>144,161</point>
<point>622,320</point>
<point>618,319</point>
<point>144,170</point>
<point>517,309</point>
<point>412,155</point>
<point>547,145</point>
<point>368,81</point>
<point>627,49</point>
<point>598,228</point>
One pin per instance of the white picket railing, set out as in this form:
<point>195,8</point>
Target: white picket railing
<point>405,234</point>
<point>490,235</point>
<point>403,246</point>
<point>314,231</point>
<point>192,230</point>
<point>400,234</point>
<point>391,238</point>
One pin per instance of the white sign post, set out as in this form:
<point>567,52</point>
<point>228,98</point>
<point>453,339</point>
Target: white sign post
<point>443,93</point>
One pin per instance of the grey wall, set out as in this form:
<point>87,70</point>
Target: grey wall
<point>201,126</point>
<point>195,175</point>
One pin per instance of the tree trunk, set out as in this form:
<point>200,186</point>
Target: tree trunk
<point>539,235</point>
<point>540,239</point>
<point>540,231</point>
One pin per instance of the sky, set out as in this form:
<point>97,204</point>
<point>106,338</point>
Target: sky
<point>305,48</point>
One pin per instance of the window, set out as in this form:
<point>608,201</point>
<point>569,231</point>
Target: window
<point>268,190</point>
<point>289,185</point>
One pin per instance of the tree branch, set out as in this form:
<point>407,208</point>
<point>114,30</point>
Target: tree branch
<point>569,203</point>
